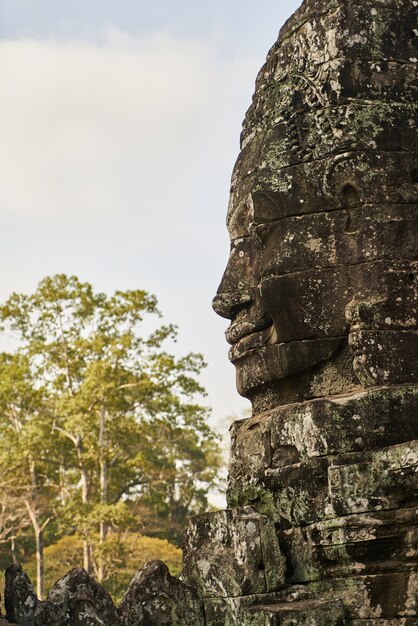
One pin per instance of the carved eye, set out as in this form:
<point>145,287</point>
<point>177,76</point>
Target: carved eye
<point>260,233</point>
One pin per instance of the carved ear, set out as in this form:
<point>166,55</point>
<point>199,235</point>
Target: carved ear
<point>384,349</point>
<point>350,195</point>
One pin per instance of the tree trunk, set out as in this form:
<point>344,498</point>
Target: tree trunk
<point>85,500</point>
<point>13,549</point>
<point>87,556</point>
<point>84,481</point>
<point>31,507</point>
<point>103,491</point>
<point>63,484</point>
<point>38,530</point>
<point>40,590</point>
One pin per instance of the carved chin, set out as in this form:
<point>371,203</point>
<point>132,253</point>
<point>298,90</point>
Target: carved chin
<point>264,371</point>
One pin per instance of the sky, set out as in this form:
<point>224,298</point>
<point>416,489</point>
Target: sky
<point>119,126</point>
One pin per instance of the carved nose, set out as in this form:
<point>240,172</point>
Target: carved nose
<point>227,304</point>
<point>238,283</point>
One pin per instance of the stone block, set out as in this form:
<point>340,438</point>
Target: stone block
<point>378,480</point>
<point>310,612</point>
<point>233,553</point>
<point>385,357</point>
<point>79,600</point>
<point>330,486</point>
<point>376,177</point>
<point>395,621</point>
<point>300,492</point>
<point>290,434</point>
<point>389,598</point>
<point>295,448</point>
<point>232,611</point>
<point>384,596</point>
<point>360,234</point>
<point>346,546</point>
<point>251,451</point>
<point>356,29</point>
<point>20,599</point>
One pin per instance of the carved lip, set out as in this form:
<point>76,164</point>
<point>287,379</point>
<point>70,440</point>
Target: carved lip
<point>242,328</point>
<point>246,336</point>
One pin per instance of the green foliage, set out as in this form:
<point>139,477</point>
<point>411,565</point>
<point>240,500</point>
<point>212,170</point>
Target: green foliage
<point>134,552</point>
<point>125,554</point>
<point>101,423</point>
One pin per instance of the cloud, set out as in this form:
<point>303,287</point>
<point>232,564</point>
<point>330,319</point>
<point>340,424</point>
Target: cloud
<point>90,130</point>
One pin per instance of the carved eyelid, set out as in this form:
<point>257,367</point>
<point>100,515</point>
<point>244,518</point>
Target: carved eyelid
<point>259,231</point>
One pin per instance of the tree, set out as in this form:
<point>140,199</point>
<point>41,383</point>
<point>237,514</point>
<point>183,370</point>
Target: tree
<point>118,417</point>
<point>26,471</point>
<point>13,518</point>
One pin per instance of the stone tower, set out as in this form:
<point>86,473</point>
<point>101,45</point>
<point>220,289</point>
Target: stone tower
<point>320,289</point>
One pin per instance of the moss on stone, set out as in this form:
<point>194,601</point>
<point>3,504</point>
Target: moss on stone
<point>256,496</point>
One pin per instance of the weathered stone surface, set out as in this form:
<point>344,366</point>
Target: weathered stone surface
<point>20,598</point>
<point>390,598</point>
<point>328,152</point>
<point>313,612</point>
<point>233,611</point>
<point>79,599</point>
<point>155,598</point>
<point>343,236</point>
<point>349,545</point>
<point>233,553</point>
<point>382,479</point>
<point>386,596</point>
<point>76,599</point>
<point>326,487</point>
<point>395,361</point>
<point>355,422</point>
<point>396,621</point>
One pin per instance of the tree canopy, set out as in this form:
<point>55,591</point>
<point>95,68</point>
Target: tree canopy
<point>104,429</point>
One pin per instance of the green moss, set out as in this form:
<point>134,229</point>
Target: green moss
<point>334,427</point>
<point>256,496</point>
<point>305,567</point>
<point>379,32</point>
<point>371,120</point>
<point>294,505</point>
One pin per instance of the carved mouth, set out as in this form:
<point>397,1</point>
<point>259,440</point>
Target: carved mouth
<point>246,336</point>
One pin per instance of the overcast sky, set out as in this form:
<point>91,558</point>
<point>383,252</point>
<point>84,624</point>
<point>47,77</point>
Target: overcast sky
<point>119,127</point>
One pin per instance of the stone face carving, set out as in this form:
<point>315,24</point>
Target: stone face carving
<point>320,288</point>
<point>319,284</point>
